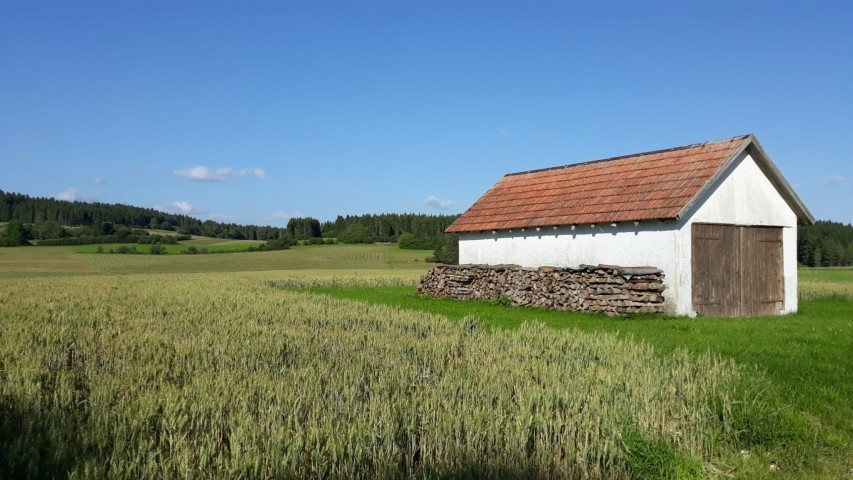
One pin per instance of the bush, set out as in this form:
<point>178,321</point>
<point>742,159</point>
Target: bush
<point>447,251</point>
<point>411,242</point>
<point>49,230</point>
<point>276,245</point>
<point>314,241</point>
<point>17,233</point>
<point>355,233</point>
<point>157,249</point>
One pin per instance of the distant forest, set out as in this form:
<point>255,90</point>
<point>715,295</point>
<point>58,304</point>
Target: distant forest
<point>50,219</point>
<point>825,244</point>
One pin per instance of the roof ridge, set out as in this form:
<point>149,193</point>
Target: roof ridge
<point>620,157</point>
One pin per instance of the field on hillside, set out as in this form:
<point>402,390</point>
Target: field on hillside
<point>321,361</point>
<point>211,247</point>
<point>19,262</point>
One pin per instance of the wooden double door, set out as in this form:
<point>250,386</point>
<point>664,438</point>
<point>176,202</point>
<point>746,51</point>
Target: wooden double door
<point>737,270</point>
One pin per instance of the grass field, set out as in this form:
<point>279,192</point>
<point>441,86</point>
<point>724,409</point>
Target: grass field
<point>46,261</point>
<point>321,361</point>
<point>817,282</point>
<point>171,375</point>
<point>808,356</point>
<point>212,247</point>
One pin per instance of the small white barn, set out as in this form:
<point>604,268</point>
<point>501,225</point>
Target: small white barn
<point>718,218</point>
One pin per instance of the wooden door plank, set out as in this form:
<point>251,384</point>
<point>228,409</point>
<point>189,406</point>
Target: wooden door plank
<point>715,270</point>
<point>763,278</point>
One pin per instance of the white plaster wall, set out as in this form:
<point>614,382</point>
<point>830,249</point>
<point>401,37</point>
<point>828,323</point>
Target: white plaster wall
<point>789,259</point>
<point>745,197</point>
<point>649,243</point>
<point>742,196</point>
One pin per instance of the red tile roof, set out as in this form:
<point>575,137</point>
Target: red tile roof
<point>651,185</point>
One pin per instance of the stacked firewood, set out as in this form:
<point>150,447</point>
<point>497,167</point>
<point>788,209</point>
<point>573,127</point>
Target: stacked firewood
<point>592,288</point>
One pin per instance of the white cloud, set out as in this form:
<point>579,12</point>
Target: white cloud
<point>182,206</point>
<point>179,206</point>
<point>99,181</point>
<point>69,194</point>
<point>832,180</point>
<point>253,172</point>
<point>434,202</point>
<point>204,174</point>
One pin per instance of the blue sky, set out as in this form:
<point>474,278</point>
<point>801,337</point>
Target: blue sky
<point>254,112</point>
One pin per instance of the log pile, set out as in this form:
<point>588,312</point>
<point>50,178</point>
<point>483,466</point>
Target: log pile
<point>592,288</point>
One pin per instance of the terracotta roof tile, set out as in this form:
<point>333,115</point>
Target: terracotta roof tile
<point>652,185</point>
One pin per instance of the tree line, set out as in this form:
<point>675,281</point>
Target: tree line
<point>825,244</point>
<point>60,222</point>
<point>38,210</point>
<point>389,227</point>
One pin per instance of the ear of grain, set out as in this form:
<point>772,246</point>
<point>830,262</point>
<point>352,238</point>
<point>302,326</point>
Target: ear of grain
<point>188,376</point>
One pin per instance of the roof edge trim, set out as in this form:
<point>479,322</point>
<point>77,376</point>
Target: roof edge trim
<point>770,170</point>
<point>766,164</point>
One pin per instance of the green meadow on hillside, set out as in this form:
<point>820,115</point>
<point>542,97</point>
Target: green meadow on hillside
<point>48,261</point>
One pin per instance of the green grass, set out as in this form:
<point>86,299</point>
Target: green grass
<point>807,356</point>
<point>157,231</point>
<point>212,376</point>
<point>218,242</point>
<point>817,282</point>
<point>827,275</point>
<point>106,247</point>
<point>170,249</point>
<point>68,260</point>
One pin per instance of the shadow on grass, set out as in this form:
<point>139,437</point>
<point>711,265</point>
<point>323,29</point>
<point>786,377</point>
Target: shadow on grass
<point>34,445</point>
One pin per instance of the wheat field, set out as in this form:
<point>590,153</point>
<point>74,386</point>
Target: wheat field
<point>186,376</point>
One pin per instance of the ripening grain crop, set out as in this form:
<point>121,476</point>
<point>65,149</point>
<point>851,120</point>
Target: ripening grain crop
<point>185,376</point>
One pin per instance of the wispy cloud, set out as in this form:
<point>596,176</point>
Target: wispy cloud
<point>179,206</point>
<point>71,195</point>
<point>832,180</point>
<point>204,174</point>
<point>434,202</point>
<point>252,172</point>
<point>99,181</point>
<point>503,132</point>
<point>182,206</point>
